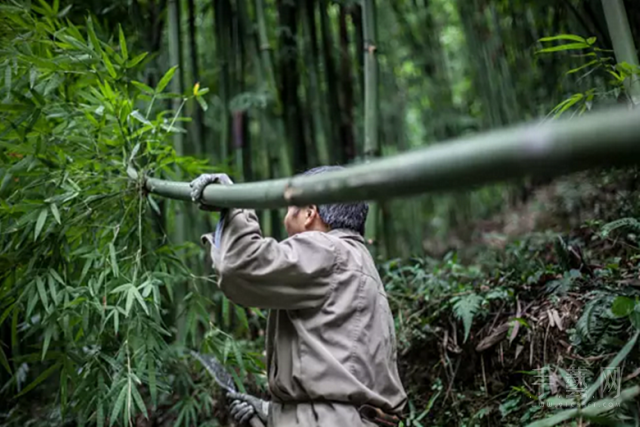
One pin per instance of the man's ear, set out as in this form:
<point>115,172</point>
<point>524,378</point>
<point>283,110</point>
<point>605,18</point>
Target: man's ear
<point>311,212</point>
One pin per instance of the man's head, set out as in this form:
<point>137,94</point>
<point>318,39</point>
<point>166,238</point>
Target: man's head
<point>351,216</point>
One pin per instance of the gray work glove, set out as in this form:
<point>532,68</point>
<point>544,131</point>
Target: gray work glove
<point>244,407</point>
<point>200,183</point>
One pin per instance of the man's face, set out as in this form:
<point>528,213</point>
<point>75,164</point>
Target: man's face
<point>303,219</point>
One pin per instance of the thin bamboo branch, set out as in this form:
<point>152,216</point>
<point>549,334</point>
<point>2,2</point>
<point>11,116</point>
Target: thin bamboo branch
<point>551,149</point>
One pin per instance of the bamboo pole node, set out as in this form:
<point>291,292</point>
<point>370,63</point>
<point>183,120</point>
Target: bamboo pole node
<point>291,192</point>
<point>370,48</point>
<point>264,47</point>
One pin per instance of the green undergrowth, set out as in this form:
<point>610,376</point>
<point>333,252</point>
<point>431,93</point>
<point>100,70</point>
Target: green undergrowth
<point>479,328</point>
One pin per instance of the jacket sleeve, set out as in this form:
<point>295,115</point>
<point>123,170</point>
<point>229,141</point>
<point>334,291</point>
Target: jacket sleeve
<point>260,272</point>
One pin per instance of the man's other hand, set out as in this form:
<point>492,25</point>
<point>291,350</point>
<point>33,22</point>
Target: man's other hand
<point>244,407</point>
<point>200,183</point>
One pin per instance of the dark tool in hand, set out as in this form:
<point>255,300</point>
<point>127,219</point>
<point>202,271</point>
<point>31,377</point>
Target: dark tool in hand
<point>223,378</point>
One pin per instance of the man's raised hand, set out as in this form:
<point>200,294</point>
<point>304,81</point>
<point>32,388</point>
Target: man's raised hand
<point>200,183</point>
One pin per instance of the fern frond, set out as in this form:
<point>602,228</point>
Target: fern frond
<point>631,223</point>
<point>465,308</point>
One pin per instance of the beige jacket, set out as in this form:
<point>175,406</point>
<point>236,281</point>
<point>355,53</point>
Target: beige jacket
<point>330,334</point>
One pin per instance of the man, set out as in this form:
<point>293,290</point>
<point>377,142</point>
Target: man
<point>331,356</point>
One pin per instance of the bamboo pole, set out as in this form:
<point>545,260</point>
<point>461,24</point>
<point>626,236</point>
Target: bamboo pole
<point>623,44</point>
<point>197,126</point>
<point>555,148</point>
<point>371,110</point>
<point>181,213</point>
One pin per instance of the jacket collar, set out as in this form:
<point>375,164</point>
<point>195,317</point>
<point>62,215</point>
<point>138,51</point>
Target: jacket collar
<point>344,233</point>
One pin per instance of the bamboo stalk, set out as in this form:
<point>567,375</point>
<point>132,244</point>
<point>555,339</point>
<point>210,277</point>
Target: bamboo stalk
<point>223,42</point>
<point>623,43</point>
<point>371,109</point>
<point>181,213</point>
<point>318,108</point>
<point>332,77</point>
<point>197,126</point>
<point>289,82</point>
<point>551,149</point>
<point>346,125</point>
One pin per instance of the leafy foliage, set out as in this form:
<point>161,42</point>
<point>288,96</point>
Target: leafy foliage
<point>465,308</point>
<point>88,278</point>
<point>597,59</point>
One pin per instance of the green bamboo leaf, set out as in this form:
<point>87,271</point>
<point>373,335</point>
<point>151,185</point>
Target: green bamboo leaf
<point>588,394</point>
<point>85,269</point>
<point>153,386</point>
<point>166,79</point>
<point>33,300</point>
<point>242,316</point>
<point>123,44</point>
<point>56,276</point>
<point>43,376</point>
<point>143,87</point>
<point>4,361</point>
<point>575,70</point>
<point>114,261</point>
<point>92,36</point>
<point>53,289</point>
<point>63,386</point>
<point>117,408</point>
<point>562,47</point>
<point>564,37</point>
<point>129,303</point>
<point>239,359</point>
<point>46,7</point>
<point>616,75</point>
<point>153,205</point>
<point>225,312</point>
<point>55,212</point>
<point>591,40</point>
<point>109,65</point>
<point>139,402</point>
<point>14,329</point>
<point>202,103</point>
<point>47,340</point>
<point>121,288</point>
<point>136,293</point>
<point>43,293</point>
<point>135,61</point>
<point>566,104</point>
<point>42,218</point>
<point>100,413</point>
<point>136,115</point>
<point>64,11</point>
<point>116,321</point>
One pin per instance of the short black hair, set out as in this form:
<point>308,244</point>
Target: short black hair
<point>350,216</point>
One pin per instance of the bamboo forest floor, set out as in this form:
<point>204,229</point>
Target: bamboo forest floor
<point>535,287</point>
